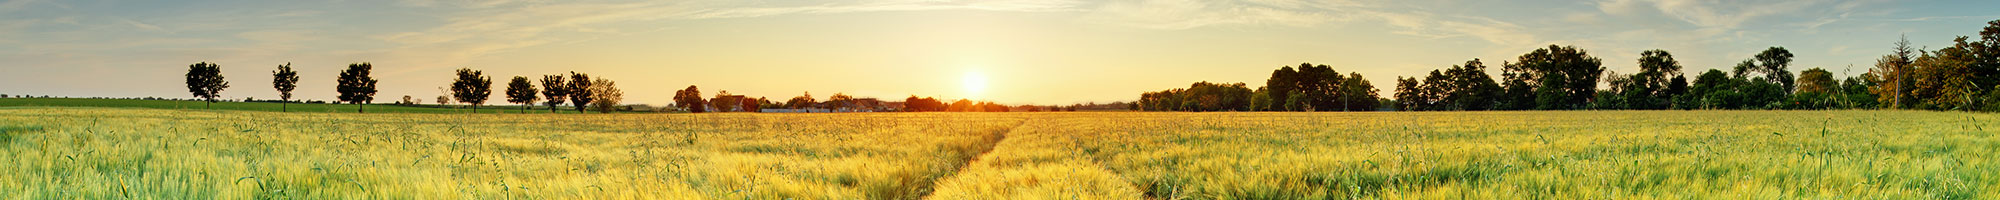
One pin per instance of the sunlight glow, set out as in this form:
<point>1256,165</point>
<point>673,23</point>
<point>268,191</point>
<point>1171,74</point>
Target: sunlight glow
<point>975,84</point>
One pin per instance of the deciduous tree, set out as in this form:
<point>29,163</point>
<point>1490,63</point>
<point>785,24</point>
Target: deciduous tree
<point>356,86</point>
<point>579,92</point>
<point>690,100</point>
<point>521,92</point>
<point>1562,77</point>
<point>205,81</point>
<point>472,87</point>
<point>284,79</point>
<point>555,90</point>
<point>607,96</point>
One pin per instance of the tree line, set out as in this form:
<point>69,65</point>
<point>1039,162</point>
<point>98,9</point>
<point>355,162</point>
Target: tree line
<point>356,86</point>
<point>1308,88</point>
<point>580,91</point>
<point>1964,76</point>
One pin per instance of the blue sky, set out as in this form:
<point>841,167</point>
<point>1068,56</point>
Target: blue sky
<point>1026,51</point>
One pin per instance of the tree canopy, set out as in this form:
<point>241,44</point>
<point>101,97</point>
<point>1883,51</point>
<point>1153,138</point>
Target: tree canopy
<point>204,80</point>
<point>355,86</point>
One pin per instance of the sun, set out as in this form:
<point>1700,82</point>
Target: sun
<point>975,84</point>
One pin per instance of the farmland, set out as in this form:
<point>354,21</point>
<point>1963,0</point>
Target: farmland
<point>265,106</point>
<point>99,153</point>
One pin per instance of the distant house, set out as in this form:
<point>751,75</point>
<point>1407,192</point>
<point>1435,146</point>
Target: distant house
<point>733,102</point>
<point>867,105</point>
<point>894,106</point>
<point>807,110</point>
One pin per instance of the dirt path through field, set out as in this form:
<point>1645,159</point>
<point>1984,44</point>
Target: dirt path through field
<point>983,150</point>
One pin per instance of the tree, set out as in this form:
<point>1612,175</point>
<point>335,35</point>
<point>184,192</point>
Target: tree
<point>1460,87</point>
<point>521,92</point>
<point>205,81</point>
<point>1891,76</point>
<point>579,92</point>
<point>1651,88</point>
<point>1260,100</point>
<point>725,102</point>
<point>801,102</point>
<point>443,99</point>
<point>1281,84</point>
<point>555,89</point>
<point>1356,93</point>
<point>1945,79</point>
<point>284,79</point>
<point>606,95</point>
<point>1772,64</point>
<point>1816,80</point>
<point>356,87</point>
<point>839,100</point>
<point>690,99</point>
<point>1561,77</point>
<point>1712,89</point>
<point>472,87</point>
<point>1309,87</point>
<point>962,105</point>
<point>1409,96</point>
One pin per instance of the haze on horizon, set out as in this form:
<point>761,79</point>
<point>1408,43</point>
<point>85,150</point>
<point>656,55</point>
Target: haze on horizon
<point>1007,51</point>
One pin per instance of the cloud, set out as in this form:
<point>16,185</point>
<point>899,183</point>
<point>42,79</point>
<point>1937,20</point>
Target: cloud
<point>12,5</point>
<point>141,25</point>
<point>1187,14</point>
<point>733,10</point>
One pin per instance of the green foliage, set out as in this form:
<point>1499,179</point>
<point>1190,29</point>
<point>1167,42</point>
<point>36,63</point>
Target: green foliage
<point>1310,88</point>
<point>472,87</point>
<point>555,90</point>
<point>520,91</point>
<point>1816,80</point>
<point>355,86</point>
<point>1201,96</point>
<point>1260,100</point>
<point>578,91</point>
<point>1659,80</point>
<point>1460,87</point>
<point>1556,77</point>
<point>1410,94</point>
<point>205,81</point>
<point>285,80</point>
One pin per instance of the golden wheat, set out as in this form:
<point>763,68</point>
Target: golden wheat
<point>106,153</point>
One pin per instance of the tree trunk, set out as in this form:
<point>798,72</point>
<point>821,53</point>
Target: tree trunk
<point>284,105</point>
<point>361,107</point>
<point>475,108</point>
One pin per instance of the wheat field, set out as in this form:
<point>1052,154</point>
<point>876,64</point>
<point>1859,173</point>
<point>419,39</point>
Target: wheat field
<point>117,153</point>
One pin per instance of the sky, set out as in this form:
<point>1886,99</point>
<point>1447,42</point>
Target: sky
<point>1006,51</point>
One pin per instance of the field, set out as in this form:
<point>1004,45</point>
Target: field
<point>106,153</point>
<point>268,106</point>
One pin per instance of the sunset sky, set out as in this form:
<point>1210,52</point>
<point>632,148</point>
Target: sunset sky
<point>1008,51</point>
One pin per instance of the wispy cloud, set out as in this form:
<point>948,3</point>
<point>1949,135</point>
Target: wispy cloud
<point>1186,14</point>
<point>12,5</point>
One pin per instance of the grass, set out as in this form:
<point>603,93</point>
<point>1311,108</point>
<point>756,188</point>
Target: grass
<point>264,106</point>
<point>100,153</point>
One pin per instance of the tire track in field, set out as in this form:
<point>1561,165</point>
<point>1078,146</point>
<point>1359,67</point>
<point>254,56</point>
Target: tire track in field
<point>931,187</point>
